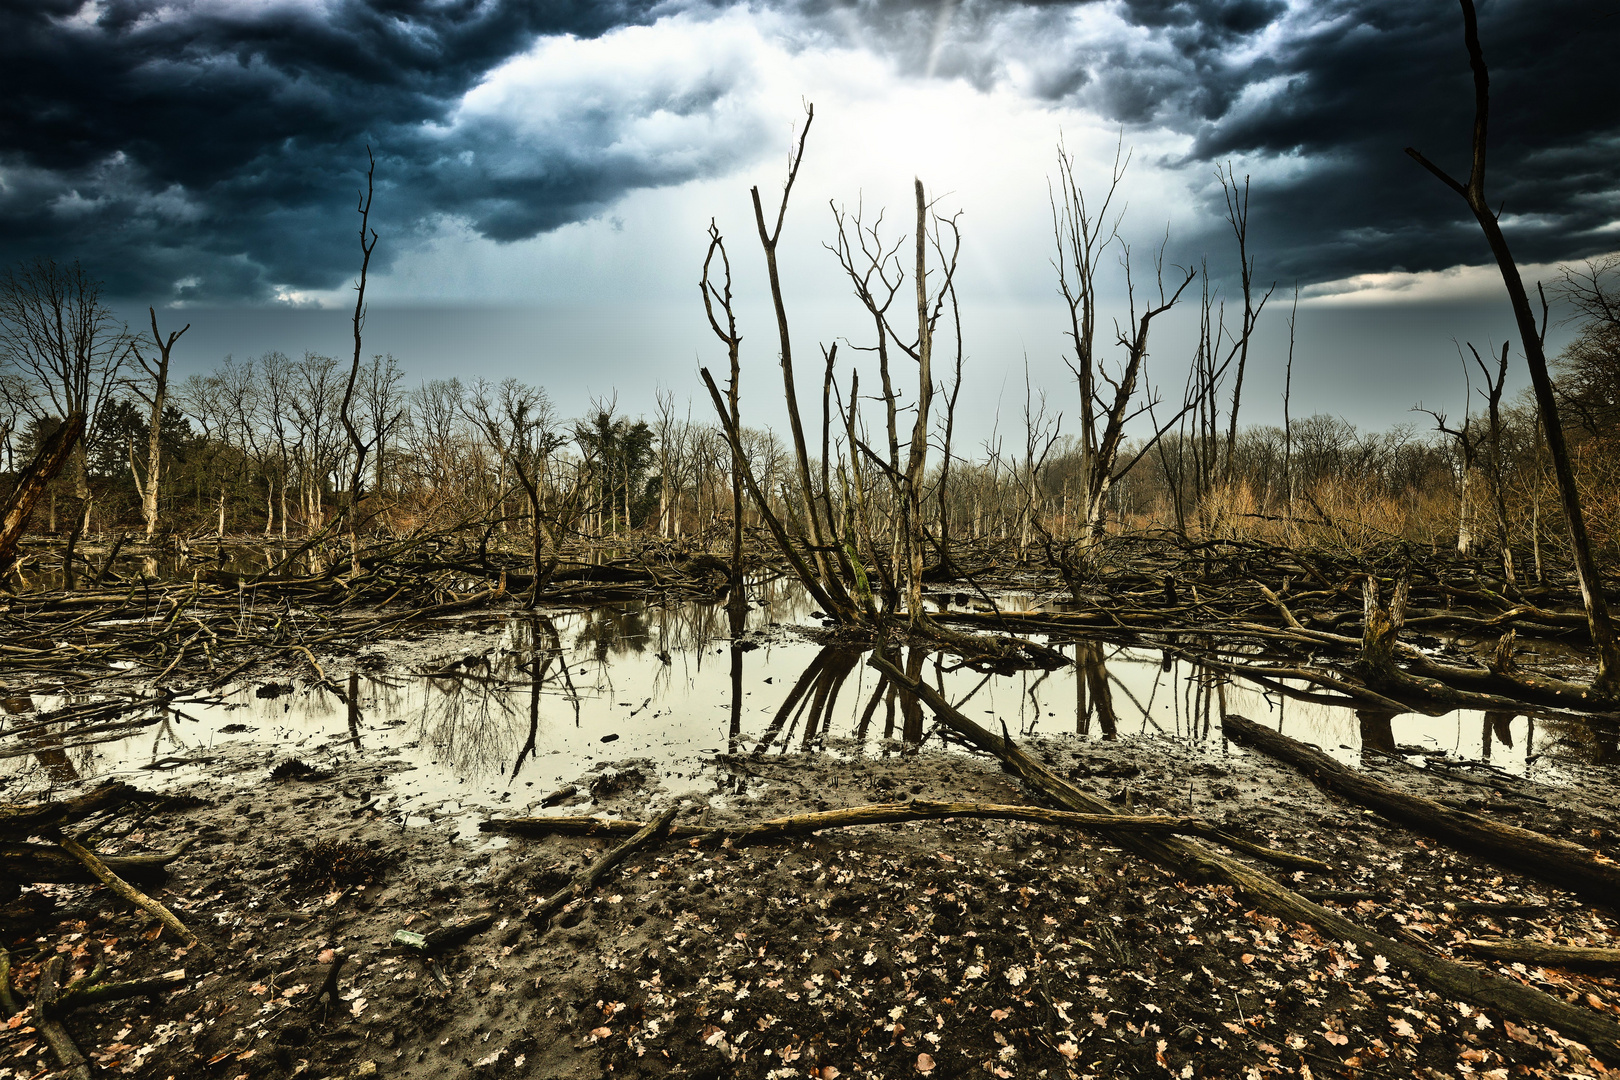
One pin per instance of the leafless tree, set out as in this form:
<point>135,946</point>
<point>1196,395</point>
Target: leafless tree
<point>1082,235</point>
<point>154,390</point>
<point>1531,338</point>
<point>522,427</point>
<point>1237,215</point>
<point>58,335</point>
<point>718,295</point>
<point>358,446</point>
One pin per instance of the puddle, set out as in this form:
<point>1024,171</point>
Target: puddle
<point>498,716</point>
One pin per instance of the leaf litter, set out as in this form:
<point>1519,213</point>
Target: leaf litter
<point>942,949</point>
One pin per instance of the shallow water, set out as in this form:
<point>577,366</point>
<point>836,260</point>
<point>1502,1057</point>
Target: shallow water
<point>498,714</point>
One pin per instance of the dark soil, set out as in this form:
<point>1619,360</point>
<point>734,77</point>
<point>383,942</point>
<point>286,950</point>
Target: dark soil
<point>945,949</point>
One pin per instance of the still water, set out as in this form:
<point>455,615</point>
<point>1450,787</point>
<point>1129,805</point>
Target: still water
<point>496,714</point>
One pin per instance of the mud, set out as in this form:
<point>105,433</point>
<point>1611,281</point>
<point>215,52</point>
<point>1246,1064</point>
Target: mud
<point>944,949</point>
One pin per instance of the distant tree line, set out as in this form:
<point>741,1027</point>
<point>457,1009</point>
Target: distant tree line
<point>255,447</point>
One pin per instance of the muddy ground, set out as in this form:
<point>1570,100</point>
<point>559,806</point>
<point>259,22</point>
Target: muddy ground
<point>943,949</point>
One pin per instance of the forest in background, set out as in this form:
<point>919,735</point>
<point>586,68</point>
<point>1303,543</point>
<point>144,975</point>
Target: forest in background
<point>256,447</point>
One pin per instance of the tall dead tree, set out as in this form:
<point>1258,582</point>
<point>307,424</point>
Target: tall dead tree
<point>156,395</point>
<point>817,531</point>
<point>720,294</point>
<point>358,445</point>
<point>1587,575</point>
<point>1237,215</point>
<point>1108,401</point>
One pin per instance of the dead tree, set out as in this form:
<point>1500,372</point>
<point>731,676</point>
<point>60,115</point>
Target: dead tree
<point>358,446</point>
<point>1468,441</point>
<point>1606,644</point>
<point>1237,215</point>
<point>156,398</point>
<point>53,455</point>
<point>1493,454</point>
<point>818,532</point>
<point>64,341</point>
<point>1082,235</point>
<point>521,427</point>
<point>721,295</point>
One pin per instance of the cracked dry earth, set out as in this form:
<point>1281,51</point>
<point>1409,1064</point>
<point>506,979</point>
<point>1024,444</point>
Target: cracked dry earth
<point>940,949</point>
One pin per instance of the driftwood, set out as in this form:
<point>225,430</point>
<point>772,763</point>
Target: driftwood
<point>95,990</point>
<point>37,863</point>
<point>449,935</point>
<point>1557,862</point>
<point>1194,860</point>
<point>587,879</point>
<point>795,825</point>
<point>130,893</point>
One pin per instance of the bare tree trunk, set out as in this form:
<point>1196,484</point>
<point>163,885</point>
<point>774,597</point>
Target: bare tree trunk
<point>358,445</point>
<point>834,587</point>
<point>159,374</point>
<point>19,503</point>
<point>1604,640</point>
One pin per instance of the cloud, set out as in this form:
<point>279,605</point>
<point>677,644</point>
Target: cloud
<point>210,149</point>
<point>1316,99</point>
<point>221,142</point>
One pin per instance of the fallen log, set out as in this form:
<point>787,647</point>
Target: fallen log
<point>1557,862</point>
<point>587,879</point>
<point>94,991</point>
<point>29,818</point>
<point>795,825</point>
<point>1541,954</point>
<point>446,936</point>
<point>1196,861</point>
<point>39,863</point>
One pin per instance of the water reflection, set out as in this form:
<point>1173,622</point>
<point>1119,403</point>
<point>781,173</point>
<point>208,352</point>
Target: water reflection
<point>543,697</point>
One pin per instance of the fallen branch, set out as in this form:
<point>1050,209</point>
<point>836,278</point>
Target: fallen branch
<point>1540,954</point>
<point>1193,860</point>
<point>68,1054</point>
<point>24,819</point>
<point>795,825</point>
<point>446,936</point>
<point>86,992</point>
<point>1557,862</point>
<point>130,892</point>
<point>588,878</point>
<point>36,863</point>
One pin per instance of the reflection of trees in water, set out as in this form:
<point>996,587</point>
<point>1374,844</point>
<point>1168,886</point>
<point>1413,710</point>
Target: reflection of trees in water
<point>1092,693</point>
<point>806,716</point>
<point>1376,733</point>
<point>613,630</point>
<point>474,714</point>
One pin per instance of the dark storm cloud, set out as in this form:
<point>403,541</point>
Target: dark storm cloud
<point>1348,91</point>
<point>211,148</point>
<point>218,144</point>
<point>1320,99</point>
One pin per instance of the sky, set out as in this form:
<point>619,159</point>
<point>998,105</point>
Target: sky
<point>546,171</point>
